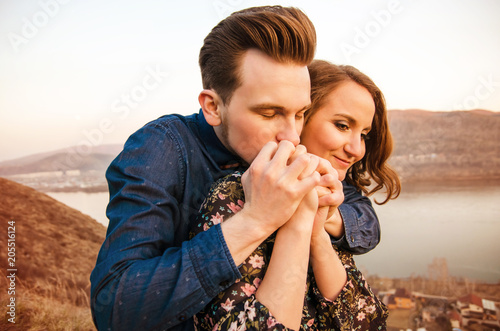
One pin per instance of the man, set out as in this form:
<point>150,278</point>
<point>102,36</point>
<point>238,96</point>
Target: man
<point>149,275</point>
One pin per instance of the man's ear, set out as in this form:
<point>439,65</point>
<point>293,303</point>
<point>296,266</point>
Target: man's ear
<point>210,103</point>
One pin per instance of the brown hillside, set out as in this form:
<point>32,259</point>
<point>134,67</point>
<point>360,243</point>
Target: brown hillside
<point>445,145</point>
<point>56,247</point>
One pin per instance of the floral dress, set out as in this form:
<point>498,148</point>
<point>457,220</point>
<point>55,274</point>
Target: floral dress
<point>236,308</point>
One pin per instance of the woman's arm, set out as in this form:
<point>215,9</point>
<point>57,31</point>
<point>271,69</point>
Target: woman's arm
<point>283,288</point>
<point>329,271</point>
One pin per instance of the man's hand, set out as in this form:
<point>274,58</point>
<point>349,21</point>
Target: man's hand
<point>276,183</point>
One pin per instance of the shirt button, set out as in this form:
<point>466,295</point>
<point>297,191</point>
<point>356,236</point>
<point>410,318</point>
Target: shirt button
<point>182,317</point>
<point>352,239</point>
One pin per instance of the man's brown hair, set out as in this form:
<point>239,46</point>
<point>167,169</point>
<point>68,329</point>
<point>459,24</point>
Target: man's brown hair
<point>284,33</point>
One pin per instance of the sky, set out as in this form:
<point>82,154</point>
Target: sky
<point>86,73</point>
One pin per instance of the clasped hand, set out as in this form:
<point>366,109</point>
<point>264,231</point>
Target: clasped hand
<point>284,181</point>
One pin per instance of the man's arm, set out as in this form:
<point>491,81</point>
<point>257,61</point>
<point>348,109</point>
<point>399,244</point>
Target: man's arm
<point>147,274</point>
<point>360,223</point>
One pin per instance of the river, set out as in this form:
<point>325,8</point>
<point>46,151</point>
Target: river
<point>459,223</point>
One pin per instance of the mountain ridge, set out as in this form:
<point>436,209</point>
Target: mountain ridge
<point>428,145</point>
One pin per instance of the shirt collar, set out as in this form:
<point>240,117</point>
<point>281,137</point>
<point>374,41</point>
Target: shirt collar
<point>221,155</point>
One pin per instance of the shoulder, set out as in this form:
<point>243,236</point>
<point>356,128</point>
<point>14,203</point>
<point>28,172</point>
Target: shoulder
<point>166,130</point>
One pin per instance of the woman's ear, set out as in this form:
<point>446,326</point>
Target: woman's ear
<point>210,103</point>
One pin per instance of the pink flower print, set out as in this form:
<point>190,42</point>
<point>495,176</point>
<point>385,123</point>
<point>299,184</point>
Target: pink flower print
<point>233,326</point>
<point>216,219</point>
<point>250,311</point>
<point>228,305</point>
<point>361,316</point>
<point>256,282</point>
<point>248,289</point>
<point>310,322</point>
<point>242,317</point>
<point>361,303</point>
<point>205,227</point>
<point>271,322</point>
<point>236,208</point>
<point>221,196</point>
<point>370,309</point>
<point>256,261</point>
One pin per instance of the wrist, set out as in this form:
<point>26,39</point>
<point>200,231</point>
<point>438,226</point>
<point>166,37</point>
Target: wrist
<point>335,225</point>
<point>320,238</point>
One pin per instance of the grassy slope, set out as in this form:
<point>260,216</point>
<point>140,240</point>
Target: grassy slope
<point>56,248</point>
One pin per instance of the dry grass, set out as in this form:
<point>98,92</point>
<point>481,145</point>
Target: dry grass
<point>56,248</point>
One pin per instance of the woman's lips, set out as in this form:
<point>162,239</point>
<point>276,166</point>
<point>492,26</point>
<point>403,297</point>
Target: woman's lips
<point>342,162</point>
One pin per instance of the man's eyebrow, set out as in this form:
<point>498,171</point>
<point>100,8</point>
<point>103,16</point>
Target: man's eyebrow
<point>264,106</point>
<point>276,107</point>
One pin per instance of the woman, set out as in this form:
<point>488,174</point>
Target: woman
<point>347,125</point>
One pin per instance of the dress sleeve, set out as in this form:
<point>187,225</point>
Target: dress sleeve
<point>235,308</point>
<point>356,307</point>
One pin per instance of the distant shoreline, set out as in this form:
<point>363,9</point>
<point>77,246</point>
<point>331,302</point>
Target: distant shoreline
<point>408,184</point>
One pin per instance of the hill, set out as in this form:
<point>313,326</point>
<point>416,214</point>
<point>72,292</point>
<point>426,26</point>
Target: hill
<point>72,158</point>
<point>55,251</point>
<point>69,169</point>
<point>445,145</point>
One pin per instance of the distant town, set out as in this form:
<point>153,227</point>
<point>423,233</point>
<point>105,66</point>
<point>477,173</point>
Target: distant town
<point>419,311</point>
<point>64,181</point>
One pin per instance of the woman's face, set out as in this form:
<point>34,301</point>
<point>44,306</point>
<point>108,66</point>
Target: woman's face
<point>337,131</point>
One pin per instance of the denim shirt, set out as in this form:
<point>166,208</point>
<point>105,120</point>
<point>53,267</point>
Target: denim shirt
<point>148,275</point>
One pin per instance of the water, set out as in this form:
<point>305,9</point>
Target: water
<point>459,222</point>
<point>91,204</point>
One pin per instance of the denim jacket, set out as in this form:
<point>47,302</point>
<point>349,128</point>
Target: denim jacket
<point>148,275</point>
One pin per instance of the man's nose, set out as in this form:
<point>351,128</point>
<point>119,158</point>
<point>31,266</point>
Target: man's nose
<point>290,131</point>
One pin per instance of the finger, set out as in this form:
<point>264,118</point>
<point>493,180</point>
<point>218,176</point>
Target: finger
<point>334,198</point>
<point>297,167</point>
<point>267,152</point>
<point>325,167</point>
<point>311,166</point>
<point>283,153</point>
<point>305,185</point>
<point>322,191</point>
<point>330,181</point>
<point>299,150</point>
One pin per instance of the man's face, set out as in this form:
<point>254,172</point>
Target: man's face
<point>268,106</point>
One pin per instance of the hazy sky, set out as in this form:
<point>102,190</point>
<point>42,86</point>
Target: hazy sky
<point>83,73</point>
